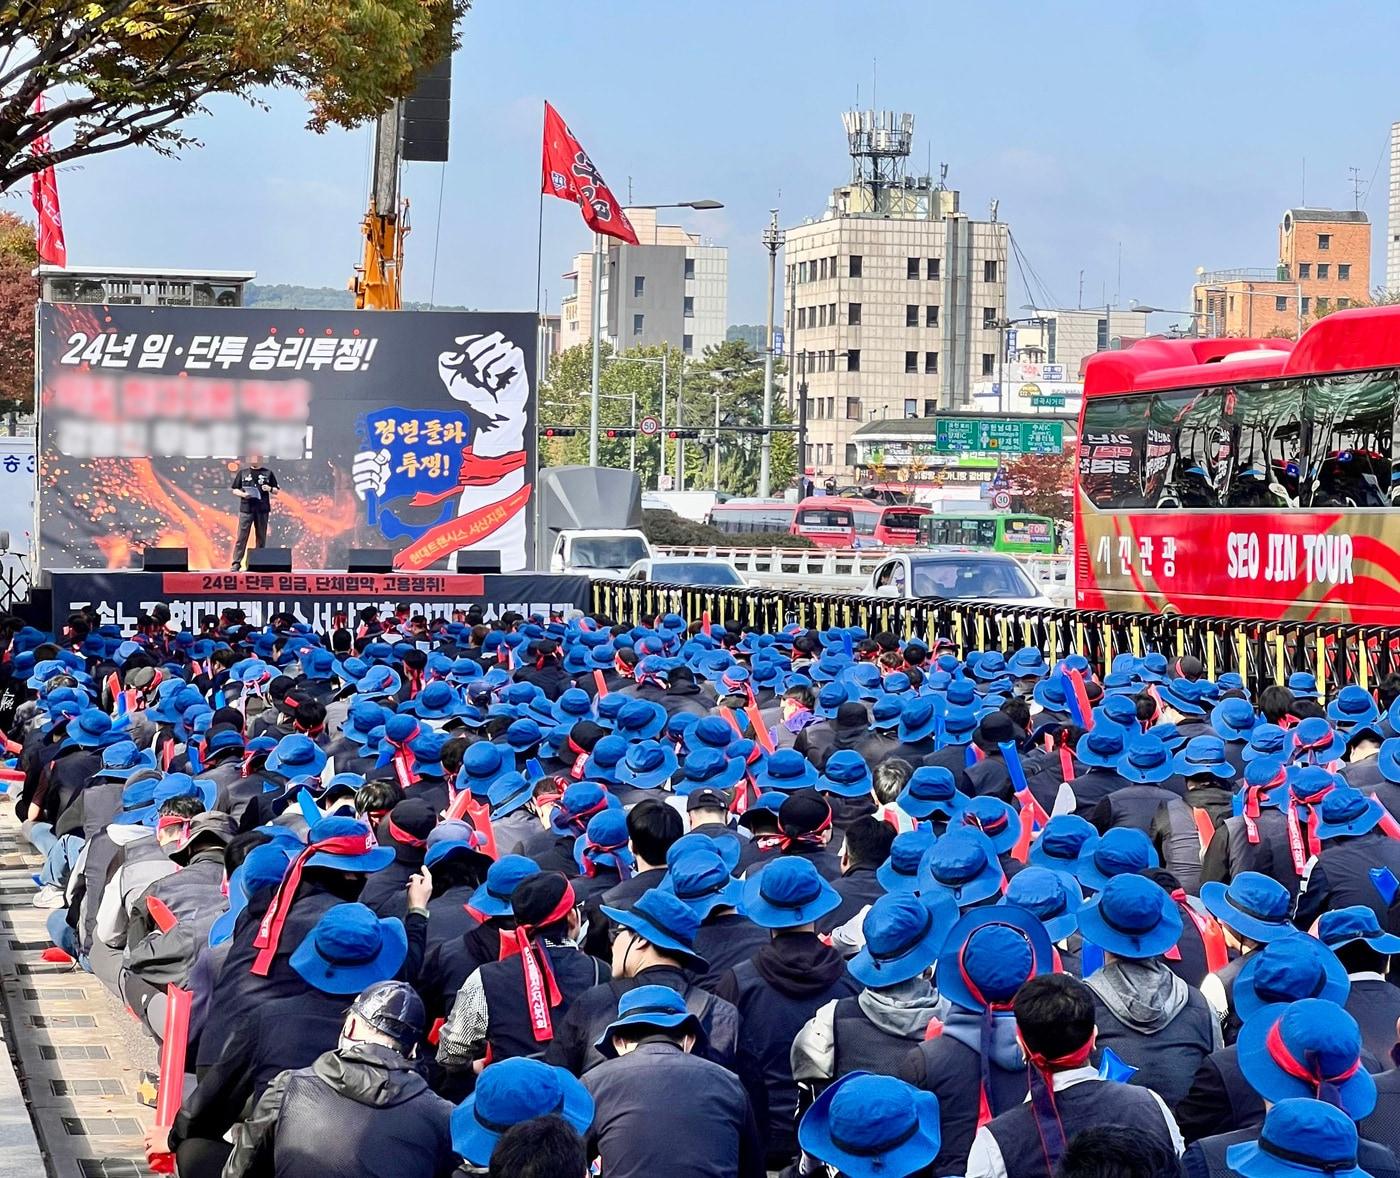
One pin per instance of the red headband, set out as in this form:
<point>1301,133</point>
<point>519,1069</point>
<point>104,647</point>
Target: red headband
<point>541,989</point>
<point>1324,1086</point>
<point>399,835</point>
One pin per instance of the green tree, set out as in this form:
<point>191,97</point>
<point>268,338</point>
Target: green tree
<point>127,72</point>
<point>19,291</point>
<point>635,373</point>
<point>734,371</point>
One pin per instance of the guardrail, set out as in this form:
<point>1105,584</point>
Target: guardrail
<point>849,567</point>
<point>1263,652</point>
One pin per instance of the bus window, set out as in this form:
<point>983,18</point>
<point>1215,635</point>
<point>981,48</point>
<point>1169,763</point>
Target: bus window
<point>865,521</point>
<point>1265,427</point>
<point>1200,462</point>
<point>1353,423</point>
<point>814,517</point>
<point>1111,451</point>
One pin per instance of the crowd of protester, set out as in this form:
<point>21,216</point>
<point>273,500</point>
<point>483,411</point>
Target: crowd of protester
<point>554,896</point>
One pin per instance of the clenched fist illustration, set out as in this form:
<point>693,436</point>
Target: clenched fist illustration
<point>487,373</point>
<point>370,472</point>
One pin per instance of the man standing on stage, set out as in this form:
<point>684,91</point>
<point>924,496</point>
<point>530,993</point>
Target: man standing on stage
<point>255,485</point>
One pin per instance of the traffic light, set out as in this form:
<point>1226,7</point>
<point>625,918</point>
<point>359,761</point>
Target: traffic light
<point>620,433</point>
<point>559,431</point>
<point>682,434</point>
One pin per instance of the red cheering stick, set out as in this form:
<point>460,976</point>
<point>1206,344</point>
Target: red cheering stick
<point>600,683</point>
<point>1081,699</point>
<point>161,914</point>
<point>705,623</point>
<point>479,814</point>
<point>171,1089</point>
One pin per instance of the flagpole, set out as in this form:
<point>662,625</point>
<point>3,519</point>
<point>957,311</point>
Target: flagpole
<point>597,336</point>
<point>541,362</point>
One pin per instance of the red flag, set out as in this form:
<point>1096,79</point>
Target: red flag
<point>45,190</point>
<point>570,175</point>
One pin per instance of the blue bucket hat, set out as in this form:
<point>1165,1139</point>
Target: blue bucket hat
<point>1051,896</point>
<point>1050,694</point>
<point>788,892</point>
<point>708,732</point>
<point>1316,1037</point>
<point>492,898</point>
<point>1234,718</point>
<point>1303,685</point>
<point>578,804</point>
<point>885,712</point>
<point>1132,917</point>
<point>994,818</point>
<point>1356,925</point>
<point>373,858</point>
<point>786,770</point>
<point>1185,695</point>
<point>296,756</point>
<point>1027,662</point>
<point>122,759</point>
<point>378,682</point>
<point>727,844</point>
<point>918,719</point>
<point>1204,756</point>
<point>437,701</point>
<point>930,790</point>
<point>1120,851</point>
<point>666,922</point>
<point>904,934</point>
<point>990,954</point>
<point>649,1006</point>
<point>1255,905</point>
<point>1063,840</point>
<point>264,867</point>
<point>701,877</point>
<point>648,764</point>
<point>1345,811</point>
<point>92,728</point>
<point>1388,760</point>
<point>524,735</point>
<point>868,1126</point>
<point>512,1091</point>
<point>846,775</point>
<point>640,719</point>
<point>959,723</point>
<point>606,757</point>
<point>830,698</point>
<point>604,843</point>
<point>964,865</point>
<point>350,948</point>
<point>1102,748</point>
<point>708,768</point>
<point>1145,759</point>
<point>483,764</point>
<point>903,870</point>
<point>572,705</point>
<point>1267,740</point>
<point>1120,710</point>
<point>1315,741</point>
<point>1286,970</point>
<point>1299,1139</point>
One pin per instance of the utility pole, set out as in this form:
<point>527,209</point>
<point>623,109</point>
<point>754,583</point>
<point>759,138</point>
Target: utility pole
<point>597,334</point>
<point>772,240</point>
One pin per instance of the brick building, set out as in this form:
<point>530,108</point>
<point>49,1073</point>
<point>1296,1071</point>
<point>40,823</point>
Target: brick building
<point>1324,263</point>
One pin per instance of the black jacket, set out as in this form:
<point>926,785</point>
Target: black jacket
<point>658,1110</point>
<point>858,888</point>
<point>589,1016</point>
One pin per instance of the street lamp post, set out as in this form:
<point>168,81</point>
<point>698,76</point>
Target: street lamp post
<point>700,205</point>
<point>772,239</point>
<point>1146,309</point>
<point>1003,398</point>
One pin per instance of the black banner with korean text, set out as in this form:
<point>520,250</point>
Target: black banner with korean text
<point>412,430</point>
<point>315,597</point>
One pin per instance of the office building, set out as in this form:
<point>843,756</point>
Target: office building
<point>895,296</point>
<point>1392,226</point>
<point>671,288</point>
<point>1324,264</point>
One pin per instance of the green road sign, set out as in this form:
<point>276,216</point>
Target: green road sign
<point>995,434</point>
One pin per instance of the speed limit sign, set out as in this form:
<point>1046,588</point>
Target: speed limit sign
<point>1001,500</point>
<point>649,426</point>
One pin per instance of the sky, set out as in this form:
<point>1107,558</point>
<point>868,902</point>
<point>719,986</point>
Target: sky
<point>1172,135</point>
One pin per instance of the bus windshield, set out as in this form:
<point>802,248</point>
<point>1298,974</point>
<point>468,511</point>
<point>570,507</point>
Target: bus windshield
<point>996,533</point>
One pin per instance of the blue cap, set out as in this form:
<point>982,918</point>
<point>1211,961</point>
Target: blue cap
<point>701,877</point>
<point>1145,759</point>
<point>649,1006</point>
<point>1355,925</point>
<point>666,922</point>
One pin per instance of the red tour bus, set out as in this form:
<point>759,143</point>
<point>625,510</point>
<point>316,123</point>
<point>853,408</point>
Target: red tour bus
<point>1250,478</point>
<point>830,521</point>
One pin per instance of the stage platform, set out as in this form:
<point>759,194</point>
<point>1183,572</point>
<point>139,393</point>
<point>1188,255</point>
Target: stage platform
<point>316,596</point>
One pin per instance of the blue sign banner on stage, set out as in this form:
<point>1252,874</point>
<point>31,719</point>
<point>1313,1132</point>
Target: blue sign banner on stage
<point>320,598</point>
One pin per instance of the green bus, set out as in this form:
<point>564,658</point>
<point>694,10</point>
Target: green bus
<point>1023,535</point>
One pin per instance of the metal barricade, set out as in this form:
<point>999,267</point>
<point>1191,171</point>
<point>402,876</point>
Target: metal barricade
<point>1262,652</point>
